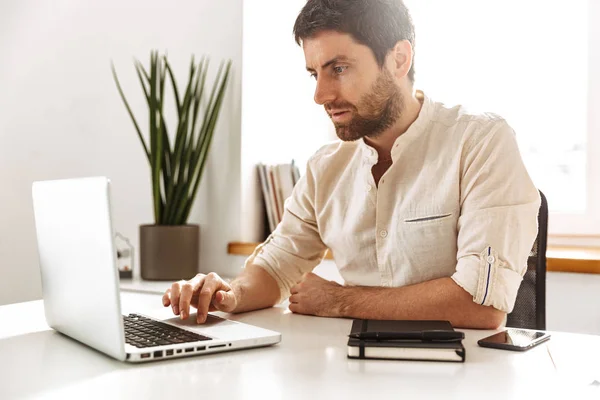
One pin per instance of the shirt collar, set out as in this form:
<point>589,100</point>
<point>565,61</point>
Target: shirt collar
<point>411,133</point>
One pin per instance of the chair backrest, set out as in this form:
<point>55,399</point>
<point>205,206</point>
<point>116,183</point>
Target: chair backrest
<point>530,307</point>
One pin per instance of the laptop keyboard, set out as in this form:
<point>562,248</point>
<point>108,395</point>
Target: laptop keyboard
<point>144,332</point>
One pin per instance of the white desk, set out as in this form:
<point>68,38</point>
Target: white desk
<point>309,363</point>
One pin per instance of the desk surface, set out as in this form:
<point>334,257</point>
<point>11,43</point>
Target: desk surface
<point>310,362</point>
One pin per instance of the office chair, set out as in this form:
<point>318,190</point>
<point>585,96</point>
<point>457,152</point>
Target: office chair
<point>530,307</point>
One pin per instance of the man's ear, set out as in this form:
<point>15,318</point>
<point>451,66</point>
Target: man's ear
<point>399,59</point>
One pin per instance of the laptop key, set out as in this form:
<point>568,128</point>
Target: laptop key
<point>146,332</point>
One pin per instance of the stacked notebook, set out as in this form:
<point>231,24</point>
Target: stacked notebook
<point>405,340</point>
<point>277,183</point>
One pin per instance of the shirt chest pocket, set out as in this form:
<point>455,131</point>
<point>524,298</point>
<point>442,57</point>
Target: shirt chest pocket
<point>429,244</point>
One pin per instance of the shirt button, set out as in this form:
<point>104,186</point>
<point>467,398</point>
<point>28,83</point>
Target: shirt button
<point>383,233</point>
<point>491,259</point>
<point>369,188</point>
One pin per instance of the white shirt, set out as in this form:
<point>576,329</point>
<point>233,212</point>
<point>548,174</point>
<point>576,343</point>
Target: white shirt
<point>457,202</point>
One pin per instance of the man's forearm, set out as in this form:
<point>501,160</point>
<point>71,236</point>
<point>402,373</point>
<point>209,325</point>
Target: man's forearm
<point>440,299</point>
<point>254,289</point>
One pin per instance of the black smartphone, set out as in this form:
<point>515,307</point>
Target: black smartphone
<point>514,339</point>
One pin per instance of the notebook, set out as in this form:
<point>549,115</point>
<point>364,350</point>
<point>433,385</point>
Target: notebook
<point>405,340</point>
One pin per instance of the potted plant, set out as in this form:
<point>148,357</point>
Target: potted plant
<point>169,248</point>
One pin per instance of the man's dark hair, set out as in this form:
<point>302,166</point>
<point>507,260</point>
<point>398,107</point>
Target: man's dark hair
<point>378,24</point>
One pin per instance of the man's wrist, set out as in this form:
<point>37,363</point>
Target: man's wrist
<point>236,290</point>
<point>345,301</point>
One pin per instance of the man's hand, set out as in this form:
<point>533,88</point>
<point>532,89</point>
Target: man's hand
<point>316,296</point>
<point>204,292</point>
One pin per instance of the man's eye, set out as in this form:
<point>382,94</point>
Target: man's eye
<point>314,76</point>
<point>339,69</point>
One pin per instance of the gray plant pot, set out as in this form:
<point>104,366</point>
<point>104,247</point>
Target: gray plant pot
<point>169,252</point>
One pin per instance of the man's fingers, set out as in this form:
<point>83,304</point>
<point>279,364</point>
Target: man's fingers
<point>189,294</point>
<point>187,290</point>
<point>200,292</point>
<point>212,283</point>
<point>225,301</point>
<point>175,290</point>
<point>295,308</point>
<point>173,295</point>
<point>166,299</point>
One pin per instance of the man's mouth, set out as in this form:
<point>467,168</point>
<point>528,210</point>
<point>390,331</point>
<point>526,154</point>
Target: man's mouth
<point>338,116</point>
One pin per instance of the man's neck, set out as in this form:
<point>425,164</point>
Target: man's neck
<point>383,143</point>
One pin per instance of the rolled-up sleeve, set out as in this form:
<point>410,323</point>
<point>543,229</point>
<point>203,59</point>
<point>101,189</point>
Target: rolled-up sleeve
<point>295,247</point>
<point>498,222</point>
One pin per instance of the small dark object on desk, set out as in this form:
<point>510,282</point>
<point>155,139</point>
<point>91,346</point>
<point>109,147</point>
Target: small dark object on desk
<point>125,274</point>
<point>514,339</point>
<point>405,340</point>
<point>430,335</point>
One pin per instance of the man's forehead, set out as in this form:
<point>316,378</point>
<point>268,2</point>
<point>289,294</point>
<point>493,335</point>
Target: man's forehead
<point>326,45</point>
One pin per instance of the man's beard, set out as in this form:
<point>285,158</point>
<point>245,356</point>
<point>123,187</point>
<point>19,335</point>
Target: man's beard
<point>379,110</point>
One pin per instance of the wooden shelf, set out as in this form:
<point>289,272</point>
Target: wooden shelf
<point>560,259</point>
<point>573,259</point>
<point>246,249</point>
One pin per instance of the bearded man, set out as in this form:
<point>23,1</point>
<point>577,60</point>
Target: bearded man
<point>428,209</point>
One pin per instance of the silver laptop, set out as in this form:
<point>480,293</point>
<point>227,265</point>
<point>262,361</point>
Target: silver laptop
<point>80,283</point>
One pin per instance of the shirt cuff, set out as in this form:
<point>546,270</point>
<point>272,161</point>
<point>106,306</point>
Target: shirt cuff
<point>488,278</point>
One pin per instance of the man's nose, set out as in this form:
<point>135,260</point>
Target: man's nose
<point>324,92</point>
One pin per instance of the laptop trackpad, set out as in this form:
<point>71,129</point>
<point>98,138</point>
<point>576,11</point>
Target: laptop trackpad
<point>215,327</point>
<point>211,321</point>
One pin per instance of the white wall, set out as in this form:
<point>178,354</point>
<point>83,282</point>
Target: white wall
<point>280,120</point>
<point>573,302</point>
<point>61,116</point>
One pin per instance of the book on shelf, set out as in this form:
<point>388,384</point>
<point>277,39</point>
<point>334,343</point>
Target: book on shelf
<point>277,183</point>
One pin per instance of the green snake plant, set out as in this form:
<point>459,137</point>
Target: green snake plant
<point>176,169</point>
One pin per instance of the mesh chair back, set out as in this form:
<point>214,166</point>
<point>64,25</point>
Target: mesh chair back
<point>530,307</point>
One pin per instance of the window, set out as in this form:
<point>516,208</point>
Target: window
<point>527,61</point>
